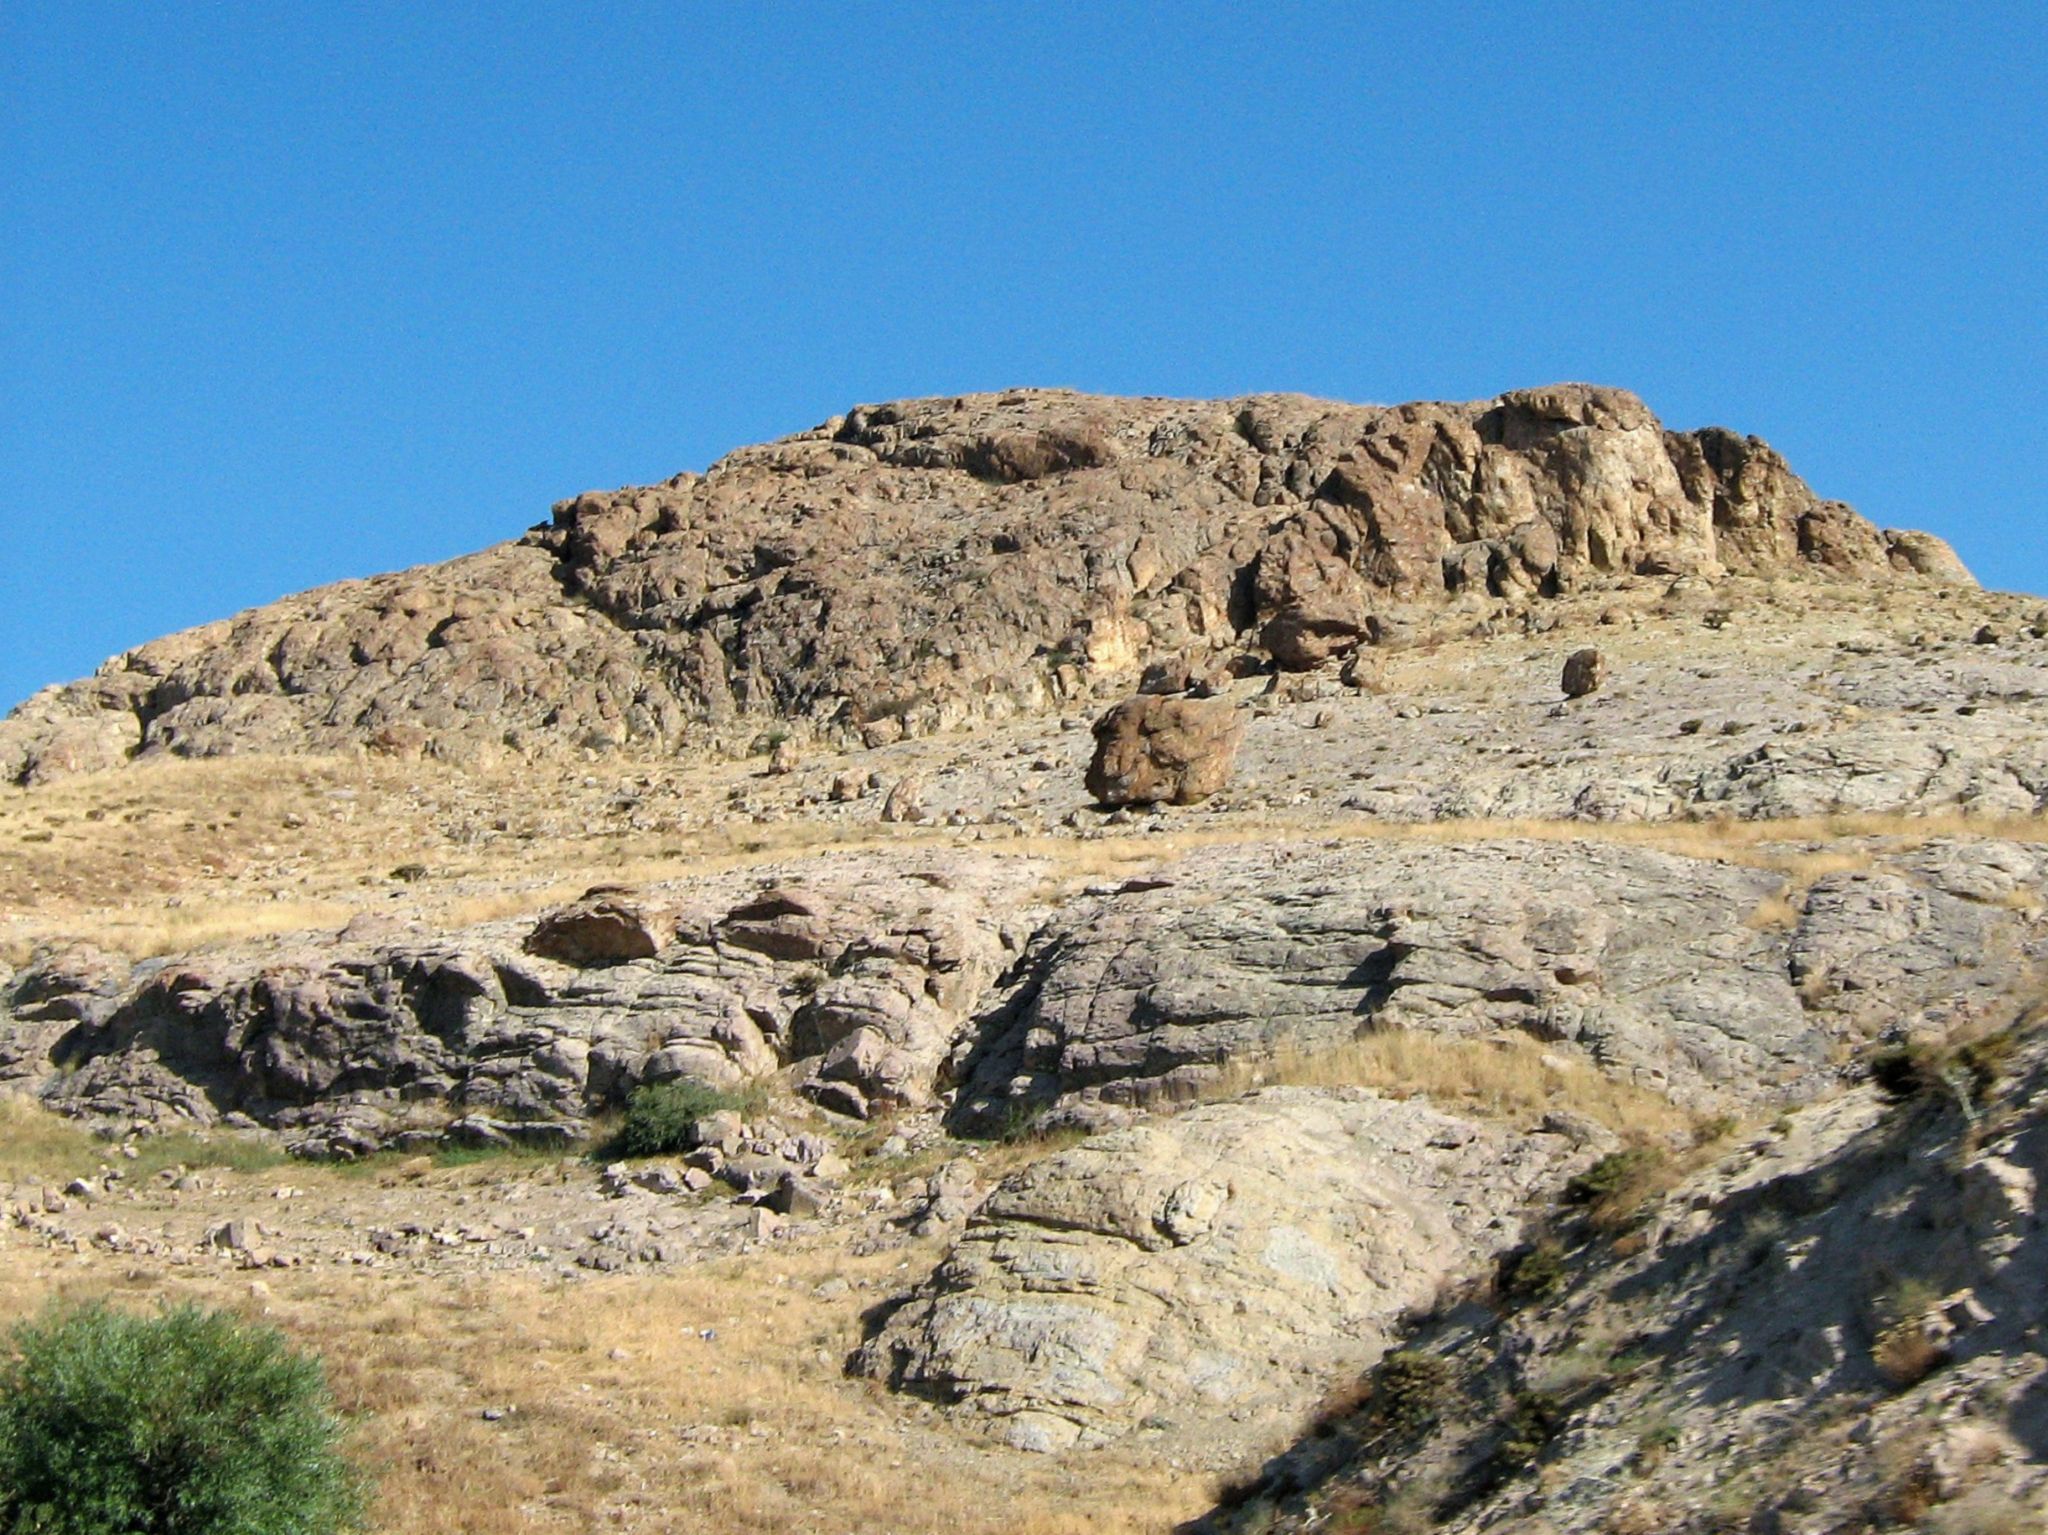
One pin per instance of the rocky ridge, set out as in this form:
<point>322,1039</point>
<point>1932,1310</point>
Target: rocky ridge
<point>910,567</point>
<point>1833,1328</point>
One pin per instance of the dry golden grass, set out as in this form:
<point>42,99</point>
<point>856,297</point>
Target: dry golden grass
<point>1508,1078</point>
<point>1775,913</point>
<point>619,1414</point>
<point>35,1143</point>
<point>184,929</point>
<point>175,855</point>
<point>617,1411</point>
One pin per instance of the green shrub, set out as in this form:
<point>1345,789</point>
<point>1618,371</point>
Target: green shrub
<point>1971,1069</point>
<point>1985,1061</point>
<point>1531,1424</point>
<point>1657,1439</point>
<point>1901,1071</point>
<point>1709,1132</point>
<point>1531,1273</point>
<point>661,1119</point>
<point>1613,1174</point>
<point>190,1422</point>
<point>1410,1390</point>
<point>1619,1188</point>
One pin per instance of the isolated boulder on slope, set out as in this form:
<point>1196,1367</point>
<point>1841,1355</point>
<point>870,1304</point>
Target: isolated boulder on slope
<point>1153,750</point>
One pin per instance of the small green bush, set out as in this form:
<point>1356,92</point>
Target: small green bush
<point>661,1119</point>
<point>1619,1189</point>
<point>1901,1071</point>
<point>190,1422</point>
<point>1531,1273</point>
<point>1410,1391</point>
<point>1971,1069</point>
<point>1985,1061</point>
<point>1612,1175</point>
<point>1532,1422</point>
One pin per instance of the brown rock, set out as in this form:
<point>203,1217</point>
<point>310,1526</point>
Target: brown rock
<point>1169,674</point>
<point>923,565</point>
<point>607,925</point>
<point>1304,635</point>
<point>1925,555</point>
<point>905,802</point>
<point>1584,672</point>
<point>788,924</point>
<point>1152,750</point>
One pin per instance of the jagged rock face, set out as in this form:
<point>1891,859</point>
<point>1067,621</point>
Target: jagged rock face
<point>905,986</point>
<point>916,565</point>
<point>1226,1261</point>
<point>1768,1296</point>
<point>373,1039</point>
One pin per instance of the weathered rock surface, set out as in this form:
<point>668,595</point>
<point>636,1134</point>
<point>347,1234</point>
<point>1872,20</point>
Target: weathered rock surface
<point>1222,1263</point>
<point>1152,750</point>
<point>913,566</point>
<point>377,1039</point>
<point>1688,976</point>
<point>1585,671</point>
<point>605,926</point>
<point>1348,800</point>
<point>1715,984</point>
<point>1833,1323</point>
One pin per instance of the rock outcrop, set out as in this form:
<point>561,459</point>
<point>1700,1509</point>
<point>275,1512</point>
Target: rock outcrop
<point>607,925</point>
<point>378,1039</point>
<point>913,566</point>
<point>1208,1100</point>
<point>1226,1262</point>
<point>1824,1332</point>
<point>1688,976</point>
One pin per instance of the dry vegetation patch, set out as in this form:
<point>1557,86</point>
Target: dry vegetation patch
<point>173,855</point>
<point>1506,1078</point>
<point>706,1398</point>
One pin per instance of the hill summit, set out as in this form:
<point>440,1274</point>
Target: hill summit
<point>914,566</point>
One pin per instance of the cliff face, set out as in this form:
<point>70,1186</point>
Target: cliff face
<point>914,566</point>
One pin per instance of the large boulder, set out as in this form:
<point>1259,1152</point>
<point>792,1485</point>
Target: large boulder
<point>1151,750</point>
<point>1585,671</point>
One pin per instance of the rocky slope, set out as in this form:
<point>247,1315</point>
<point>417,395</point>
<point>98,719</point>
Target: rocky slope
<point>1833,1328</point>
<point>913,566</point>
<point>1198,881</point>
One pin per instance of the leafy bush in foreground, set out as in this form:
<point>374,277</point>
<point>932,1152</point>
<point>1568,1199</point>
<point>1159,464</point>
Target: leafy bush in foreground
<point>189,1422</point>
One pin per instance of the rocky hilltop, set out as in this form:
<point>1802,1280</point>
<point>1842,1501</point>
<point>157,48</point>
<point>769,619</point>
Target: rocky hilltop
<point>915,566</point>
<point>1272,964</point>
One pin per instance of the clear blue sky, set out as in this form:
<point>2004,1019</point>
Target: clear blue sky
<point>292,293</point>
